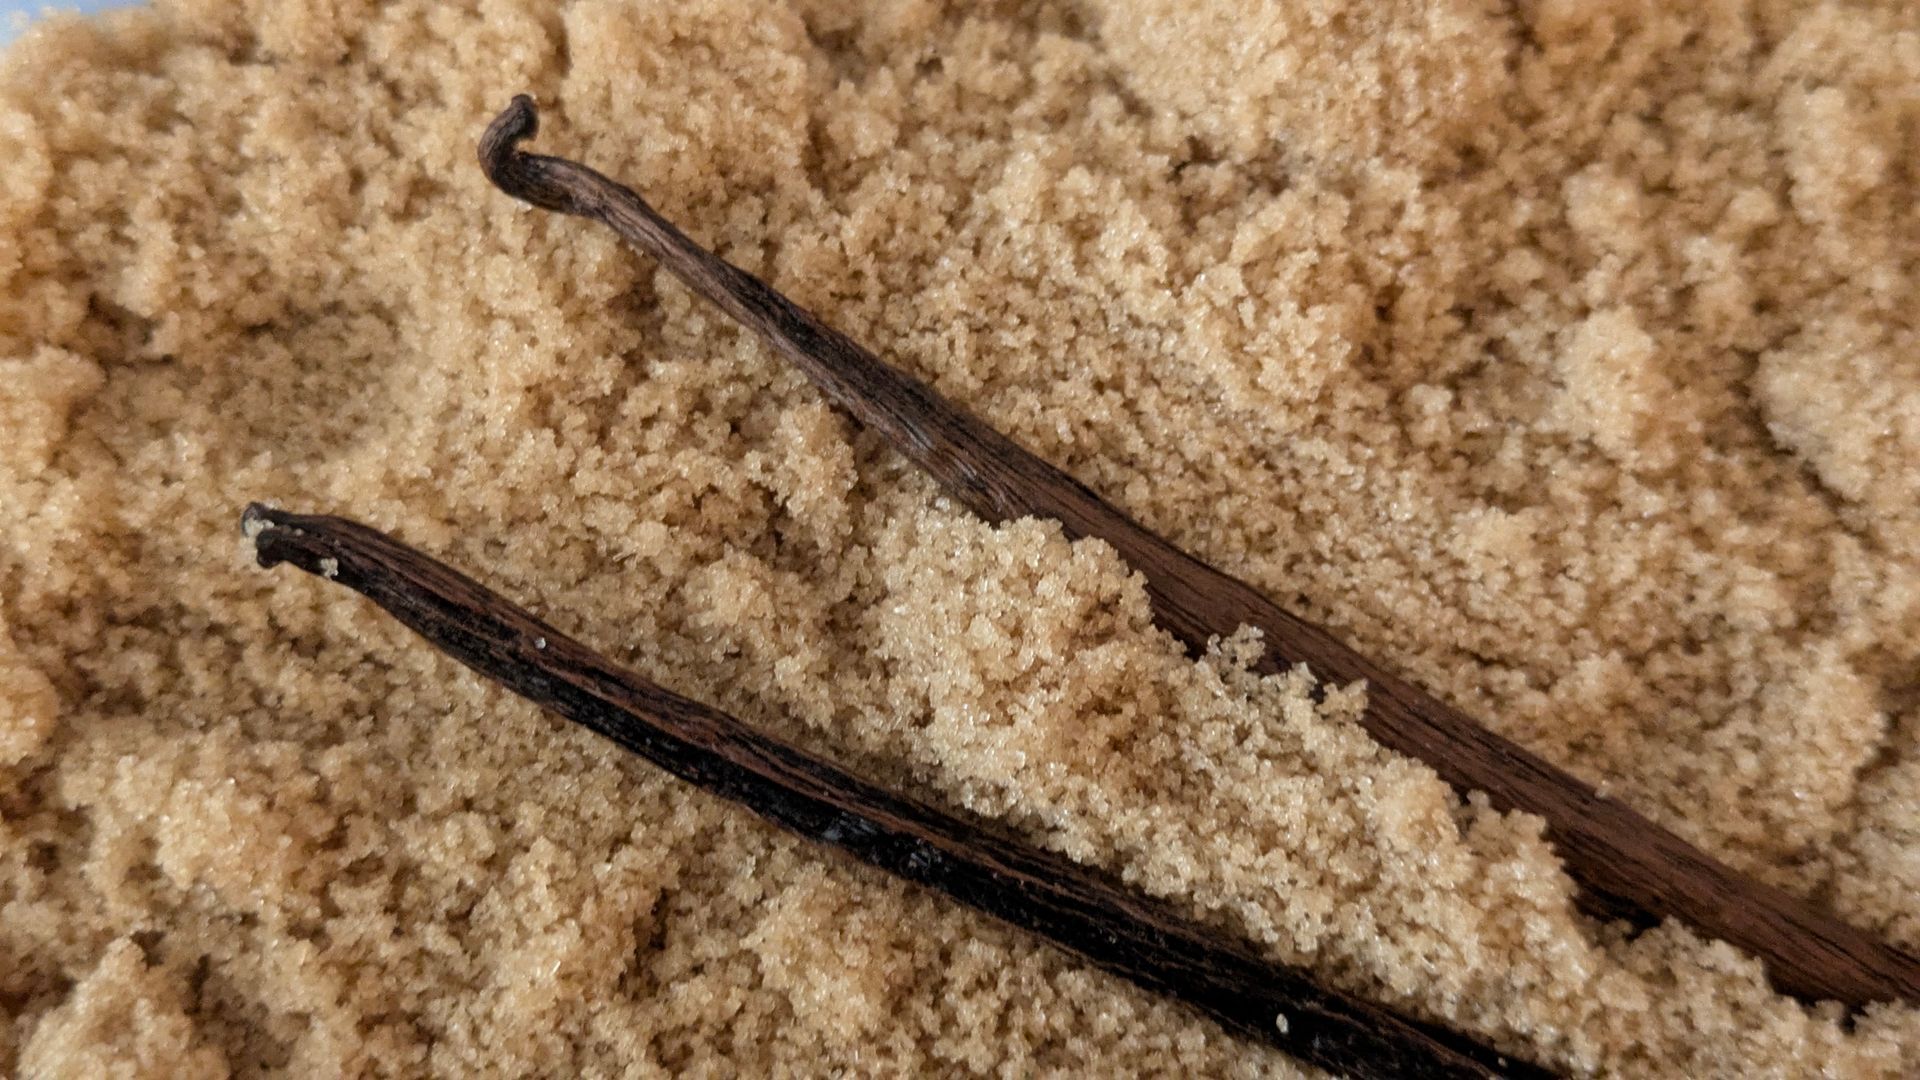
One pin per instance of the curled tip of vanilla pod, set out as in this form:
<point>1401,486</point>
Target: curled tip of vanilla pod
<point>547,182</point>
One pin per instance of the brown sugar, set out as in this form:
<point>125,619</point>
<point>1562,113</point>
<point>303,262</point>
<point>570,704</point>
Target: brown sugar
<point>1559,355</point>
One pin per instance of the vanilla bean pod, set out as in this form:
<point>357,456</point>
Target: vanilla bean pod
<point>1082,910</point>
<point>1627,865</point>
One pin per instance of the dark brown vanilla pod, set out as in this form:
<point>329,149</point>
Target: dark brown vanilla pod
<point>1627,865</point>
<point>1087,913</point>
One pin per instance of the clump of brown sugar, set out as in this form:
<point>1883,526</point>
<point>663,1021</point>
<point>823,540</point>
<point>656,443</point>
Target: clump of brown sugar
<point>1558,356</point>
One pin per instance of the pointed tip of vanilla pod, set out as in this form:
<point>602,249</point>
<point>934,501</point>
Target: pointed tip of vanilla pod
<point>255,519</point>
<point>260,524</point>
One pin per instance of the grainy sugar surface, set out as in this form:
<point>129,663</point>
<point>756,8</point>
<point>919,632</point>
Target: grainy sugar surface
<point>1562,353</point>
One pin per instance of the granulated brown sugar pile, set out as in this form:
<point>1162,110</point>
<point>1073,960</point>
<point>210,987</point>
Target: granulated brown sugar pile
<point>1562,355</point>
